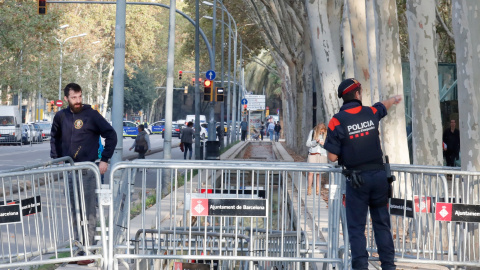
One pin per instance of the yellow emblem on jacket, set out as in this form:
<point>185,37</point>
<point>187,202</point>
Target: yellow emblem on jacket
<point>78,124</point>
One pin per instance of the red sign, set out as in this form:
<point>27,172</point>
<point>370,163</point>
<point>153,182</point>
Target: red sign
<point>59,103</point>
<point>423,204</point>
<point>199,207</point>
<point>267,108</point>
<point>443,212</point>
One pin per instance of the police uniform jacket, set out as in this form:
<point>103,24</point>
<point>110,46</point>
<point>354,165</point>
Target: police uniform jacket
<point>76,135</point>
<point>353,135</point>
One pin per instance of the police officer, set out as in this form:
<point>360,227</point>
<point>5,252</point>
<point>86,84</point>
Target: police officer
<point>353,140</point>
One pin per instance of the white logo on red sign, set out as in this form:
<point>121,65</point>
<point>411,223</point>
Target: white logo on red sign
<point>422,205</point>
<point>178,266</point>
<point>443,212</point>
<point>199,207</point>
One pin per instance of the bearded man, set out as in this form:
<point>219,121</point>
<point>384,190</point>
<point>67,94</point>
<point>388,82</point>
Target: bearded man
<point>75,133</point>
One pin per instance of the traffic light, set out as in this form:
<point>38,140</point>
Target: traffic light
<point>207,90</point>
<point>55,108</point>
<point>42,7</point>
<point>199,81</point>
<point>219,94</point>
<point>186,90</point>
<point>49,107</point>
<point>179,74</point>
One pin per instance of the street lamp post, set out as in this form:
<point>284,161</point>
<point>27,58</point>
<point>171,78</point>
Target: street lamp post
<point>233,137</point>
<point>61,60</point>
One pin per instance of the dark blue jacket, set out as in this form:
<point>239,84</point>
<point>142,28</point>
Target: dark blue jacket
<point>353,135</point>
<point>76,135</point>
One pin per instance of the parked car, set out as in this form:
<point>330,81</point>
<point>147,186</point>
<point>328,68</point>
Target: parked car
<point>157,127</point>
<point>175,131</point>
<point>130,129</point>
<point>38,133</point>
<point>31,133</point>
<point>26,134</point>
<point>46,129</point>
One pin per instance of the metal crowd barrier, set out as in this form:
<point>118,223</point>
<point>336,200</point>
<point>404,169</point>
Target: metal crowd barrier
<point>11,136</point>
<point>229,215</point>
<point>36,215</point>
<point>418,236</point>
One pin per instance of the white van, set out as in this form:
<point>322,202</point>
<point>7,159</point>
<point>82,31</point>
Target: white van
<point>10,125</point>
<point>191,118</point>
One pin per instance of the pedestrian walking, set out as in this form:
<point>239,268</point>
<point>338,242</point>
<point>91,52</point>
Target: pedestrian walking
<point>316,153</point>
<point>271,129</point>
<point>75,133</point>
<point>262,130</point>
<point>141,143</point>
<point>451,144</point>
<point>244,128</point>
<point>353,140</point>
<point>186,137</point>
<point>277,131</point>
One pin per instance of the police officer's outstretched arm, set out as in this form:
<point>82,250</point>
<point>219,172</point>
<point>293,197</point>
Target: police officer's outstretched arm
<point>393,100</point>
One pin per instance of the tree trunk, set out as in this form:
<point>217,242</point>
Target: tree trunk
<point>347,44</point>
<point>107,89</point>
<point>372,51</point>
<point>426,116</point>
<point>358,27</point>
<point>286,31</point>
<point>325,55</point>
<point>390,80</point>
<point>99,97</point>
<point>466,24</point>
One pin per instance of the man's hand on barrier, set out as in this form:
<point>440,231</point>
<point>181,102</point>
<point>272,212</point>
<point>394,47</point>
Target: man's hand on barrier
<point>103,166</point>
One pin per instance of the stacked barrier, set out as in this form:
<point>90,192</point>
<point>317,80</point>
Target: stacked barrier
<point>36,215</point>
<point>232,214</point>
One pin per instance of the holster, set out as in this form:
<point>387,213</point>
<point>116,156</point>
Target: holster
<point>390,177</point>
<point>354,177</point>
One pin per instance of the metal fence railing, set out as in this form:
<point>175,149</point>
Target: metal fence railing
<point>227,215</point>
<point>39,206</point>
<point>235,215</point>
<point>419,236</point>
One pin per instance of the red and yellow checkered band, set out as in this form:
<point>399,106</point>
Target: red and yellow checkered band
<point>352,87</point>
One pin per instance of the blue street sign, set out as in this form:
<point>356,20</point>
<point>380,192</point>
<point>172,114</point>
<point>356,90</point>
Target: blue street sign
<point>244,101</point>
<point>211,75</point>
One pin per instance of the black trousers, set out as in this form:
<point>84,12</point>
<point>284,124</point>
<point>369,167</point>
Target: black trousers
<point>141,155</point>
<point>244,135</point>
<point>373,195</point>
<point>450,158</point>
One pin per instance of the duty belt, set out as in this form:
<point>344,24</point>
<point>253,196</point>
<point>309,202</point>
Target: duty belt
<point>368,167</point>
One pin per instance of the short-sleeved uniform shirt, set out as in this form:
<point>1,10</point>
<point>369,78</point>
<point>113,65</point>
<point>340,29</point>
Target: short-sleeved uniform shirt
<point>353,135</point>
